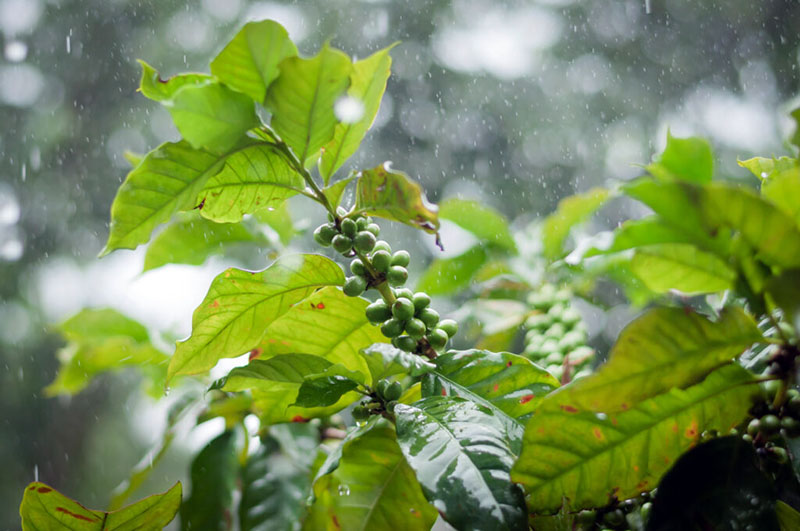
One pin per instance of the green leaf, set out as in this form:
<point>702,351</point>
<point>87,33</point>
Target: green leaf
<point>631,234</point>
<point>240,305</point>
<point>585,457</point>
<point>167,181</point>
<point>571,211</point>
<point>384,361</point>
<point>323,390</point>
<point>762,167</point>
<point>45,509</point>
<point>684,159</point>
<point>394,196</point>
<point>713,486</point>
<point>302,99</point>
<point>446,276</point>
<point>103,340</point>
<point>334,192</point>
<point>155,88</point>
<point>192,239</point>
<point>327,324</point>
<point>462,460</point>
<point>278,219</point>
<point>275,483</point>
<point>249,63</point>
<point>788,518</point>
<point>662,349</point>
<point>782,187</point>
<point>795,138</point>
<point>253,178</point>
<point>214,472</point>
<point>367,84</point>
<point>486,224</point>
<point>211,116</point>
<point>372,488</point>
<point>683,267</point>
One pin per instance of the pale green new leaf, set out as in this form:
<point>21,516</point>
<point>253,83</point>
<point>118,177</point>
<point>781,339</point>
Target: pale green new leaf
<point>782,187</point>
<point>193,239</point>
<point>683,267</point>
<point>240,305</point>
<point>570,212</point>
<point>762,167</point>
<point>684,159</point>
<point>327,324</point>
<point>166,181</point>
<point>45,509</point>
<point>372,488</point>
<point>253,178</point>
<point>788,517</point>
<point>635,233</point>
<point>367,84</point>
<point>249,62</point>
<point>393,195</point>
<point>583,458</point>
<point>662,349</point>
<point>486,224</point>
<point>333,193</point>
<point>155,88</point>
<point>302,100</point>
<point>449,275</point>
<point>462,459</point>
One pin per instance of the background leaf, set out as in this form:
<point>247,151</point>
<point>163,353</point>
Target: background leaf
<point>446,276</point>
<point>394,196</point>
<point>249,62</point>
<point>462,460</point>
<point>372,488</point>
<point>486,224</point>
<point>214,472</point>
<point>240,305</point>
<point>583,457</point>
<point>683,267</point>
<point>684,159</point>
<point>571,211</point>
<point>631,234</point>
<point>302,99</point>
<point>782,187</point>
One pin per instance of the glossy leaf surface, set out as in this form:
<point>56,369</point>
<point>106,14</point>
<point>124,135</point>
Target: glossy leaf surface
<point>683,267</point>
<point>486,224</point>
<point>372,488</point>
<point>214,472</point>
<point>240,305</point>
<point>462,459</point>
<point>155,88</point>
<point>324,390</point>
<point>585,457</point>
<point>302,100</point>
<point>394,196</point>
<point>45,509</point>
<point>249,62</point>
<point>762,167</point>
<point>684,159</point>
<point>385,360</point>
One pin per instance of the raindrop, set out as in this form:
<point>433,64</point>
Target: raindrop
<point>69,45</point>
<point>344,490</point>
<point>348,109</point>
<point>9,208</point>
<point>36,472</point>
<point>16,51</point>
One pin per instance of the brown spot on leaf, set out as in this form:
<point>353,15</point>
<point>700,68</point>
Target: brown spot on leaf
<point>624,406</point>
<point>215,304</point>
<point>255,353</point>
<point>569,409</point>
<point>675,428</point>
<point>509,364</point>
<point>321,306</point>
<point>495,387</point>
<point>691,430</point>
<point>299,418</point>
<point>335,522</point>
<point>598,434</point>
<point>201,205</point>
<point>415,513</point>
<point>525,399</point>
<point>642,485</point>
<point>444,391</point>
<point>44,490</point>
<point>635,468</point>
<point>74,515</point>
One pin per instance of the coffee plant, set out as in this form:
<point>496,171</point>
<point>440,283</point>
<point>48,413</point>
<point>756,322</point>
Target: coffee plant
<point>366,420</point>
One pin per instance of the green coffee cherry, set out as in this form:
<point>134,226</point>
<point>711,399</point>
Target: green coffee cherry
<point>614,518</point>
<point>374,228</point>
<point>349,227</point>
<point>342,243</point>
<point>381,260</point>
<point>449,327</point>
<point>404,293</point>
<point>646,509</point>
<point>401,258</point>
<point>324,234</point>
<point>415,328</point>
<point>393,391</point>
<point>403,309</point>
<point>362,223</point>
<point>753,427</point>
<point>421,301</point>
<point>392,328</point>
<point>586,518</point>
<point>378,312</point>
<point>341,211</point>
<point>556,331</point>
<point>437,338</point>
<point>778,454</point>
<point>357,268</point>
<point>354,286</point>
<point>407,343</point>
<point>360,413</point>
<point>364,241</point>
<point>396,276</point>
<point>790,426</point>
<point>429,316</point>
<point>382,245</point>
<point>381,386</point>
<point>747,438</point>
<point>770,424</point>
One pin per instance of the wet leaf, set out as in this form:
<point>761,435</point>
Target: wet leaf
<point>630,235</point>
<point>392,195</point>
<point>334,192</point>
<point>570,212</point>
<point>372,487</point>
<point>762,167</point>
<point>253,178</point>
<point>249,62</point>
<point>462,459</point>
<point>683,267</point>
<point>782,187</point>
<point>192,240</point>
<point>684,159</point>
<point>662,349</point>
<point>367,84</point>
<point>446,276</point>
<point>278,219</point>
<point>586,457</point>
<point>485,223</point>
<point>323,390</point>
<point>717,485</point>
<point>302,100</point>
<point>788,518</point>
<point>240,305</point>
<point>214,472</point>
<point>157,89</point>
<point>44,508</point>
<point>384,361</point>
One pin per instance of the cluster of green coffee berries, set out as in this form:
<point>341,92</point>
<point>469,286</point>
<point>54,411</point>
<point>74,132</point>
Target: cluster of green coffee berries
<point>556,334</point>
<point>629,514</point>
<point>380,401</point>
<point>410,319</point>
<point>770,423</point>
